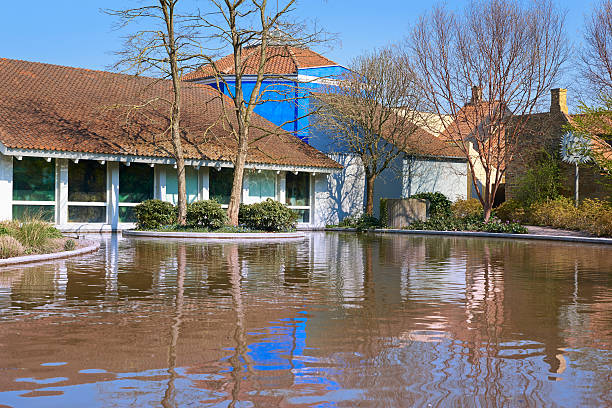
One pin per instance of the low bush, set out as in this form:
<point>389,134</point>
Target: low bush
<point>153,214</point>
<point>361,222</point>
<point>542,181</point>
<point>512,210</point>
<point>10,247</point>
<point>470,223</point>
<point>206,214</point>
<point>466,208</point>
<point>592,216</point>
<point>439,204</point>
<point>268,215</point>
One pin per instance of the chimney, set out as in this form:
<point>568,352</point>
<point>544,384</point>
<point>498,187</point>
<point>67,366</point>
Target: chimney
<point>558,100</point>
<point>476,95</point>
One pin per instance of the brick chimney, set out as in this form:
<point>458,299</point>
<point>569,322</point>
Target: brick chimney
<point>558,100</point>
<point>476,95</point>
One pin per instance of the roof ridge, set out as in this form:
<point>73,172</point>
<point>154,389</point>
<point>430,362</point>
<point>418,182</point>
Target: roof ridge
<point>293,58</point>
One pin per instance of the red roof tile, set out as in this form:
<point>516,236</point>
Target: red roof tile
<point>50,107</point>
<point>281,60</point>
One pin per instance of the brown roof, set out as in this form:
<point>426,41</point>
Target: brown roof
<point>423,143</point>
<point>50,107</point>
<point>280,60</point>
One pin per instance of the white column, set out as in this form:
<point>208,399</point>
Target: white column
<point>282,186</point>
<point>205,183</point>
<point>112,194</point>
<point>160,182</point>
<point>61,177</point>
<point>6,187</point>
<point>245,187</point>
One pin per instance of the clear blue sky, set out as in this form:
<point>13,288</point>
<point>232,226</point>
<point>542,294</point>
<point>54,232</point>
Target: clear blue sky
<point>76,33</point>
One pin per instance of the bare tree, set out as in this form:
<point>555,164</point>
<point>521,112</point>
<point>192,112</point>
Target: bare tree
<point>596,55</point>
<point>361,112</point>
<point>501,55</point>
<point>249,28</point>
<point>160,50</point>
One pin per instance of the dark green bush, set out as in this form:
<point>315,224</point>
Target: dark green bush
<point>512,210</point>
<point>152,214</point>
<point>439,204</point>
<point>361,222</point>
<point>470,223</point>
<point>268,215</point>
<point>206,214</point>
<point>467,208</point>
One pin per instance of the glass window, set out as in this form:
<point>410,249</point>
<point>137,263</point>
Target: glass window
<point>86,213</point>
<point>262,186</point>
<point>43,212</point>
<point>86,181</point>
<point>135,183</point>
<point>33,179</point>
<point>127,214</point>
<point>303,215</point>
<point>191,179</point>
<point>220,184</point>
<point>298,189</point>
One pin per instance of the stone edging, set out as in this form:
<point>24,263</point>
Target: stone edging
<point>563,238</point>
<point>91,247</point>
<point>251,236</point>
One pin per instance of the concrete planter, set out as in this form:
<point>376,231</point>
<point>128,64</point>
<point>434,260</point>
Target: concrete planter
<point>212,236</point>
<point>90,246</point>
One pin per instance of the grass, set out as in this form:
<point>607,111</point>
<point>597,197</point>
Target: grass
<point>30,236</point>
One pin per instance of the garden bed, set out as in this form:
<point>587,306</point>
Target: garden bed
<point>81,247</point>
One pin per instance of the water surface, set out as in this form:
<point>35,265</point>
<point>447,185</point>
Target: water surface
<point>333,320</point>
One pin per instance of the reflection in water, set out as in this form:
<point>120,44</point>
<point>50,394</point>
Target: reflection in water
<point>337,319</point>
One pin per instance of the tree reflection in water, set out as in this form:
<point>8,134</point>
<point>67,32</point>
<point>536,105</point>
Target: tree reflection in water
<point>337,319</point>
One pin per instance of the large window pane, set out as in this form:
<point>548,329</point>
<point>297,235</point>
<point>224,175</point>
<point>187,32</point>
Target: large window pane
<point>262,186</point>
<point>87,181</point>
<point>191,179</point>
<point>25,212</point>
<point>220,184</point>
<point>135,183</point>
<point>303,215</point>
<point>86,214</point>
<point>298,189</point>
<point>33,179</point>
<point>127,214</point>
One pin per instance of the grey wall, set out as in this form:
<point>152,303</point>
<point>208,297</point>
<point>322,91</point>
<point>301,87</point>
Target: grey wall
<point>422,175</point>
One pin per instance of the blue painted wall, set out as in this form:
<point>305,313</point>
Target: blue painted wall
<point>287,103</point>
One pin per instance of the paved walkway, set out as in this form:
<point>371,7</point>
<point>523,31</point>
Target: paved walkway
<point>556,232</point>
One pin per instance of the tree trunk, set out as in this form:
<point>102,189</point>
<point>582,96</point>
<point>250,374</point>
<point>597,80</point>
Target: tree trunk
<point>236,195</point>
<point>180,176</point>
<point>370,178</point>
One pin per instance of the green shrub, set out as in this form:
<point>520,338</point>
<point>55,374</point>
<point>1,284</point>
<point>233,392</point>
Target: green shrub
<point>466,208</point>
<point>439,204</point>
<point>596,216</point>
<point>152,214</point>
<point>557,213</point>
<point>469,223</point>
<point>541,182</point>
<point>512,210</point>
<point>10,247</point>
<point>206,214</point>
<point>361,222</point>
<point>268,215</point>
<point>69,245</point>
<point>384,216</point>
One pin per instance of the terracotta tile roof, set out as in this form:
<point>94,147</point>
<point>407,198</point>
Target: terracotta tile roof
<point>281,60</point>
<point>423,143</point>
<point>50,107</point>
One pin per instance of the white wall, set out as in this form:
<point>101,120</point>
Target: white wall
<point>388,184</point>
<point>340,194</point>
<point>6,187</point>
<point>421,175</point>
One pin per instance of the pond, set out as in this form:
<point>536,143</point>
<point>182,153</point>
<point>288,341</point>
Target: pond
<point>337,319</point>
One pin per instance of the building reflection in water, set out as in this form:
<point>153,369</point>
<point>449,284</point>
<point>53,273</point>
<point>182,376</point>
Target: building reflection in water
<point>334,318</point>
